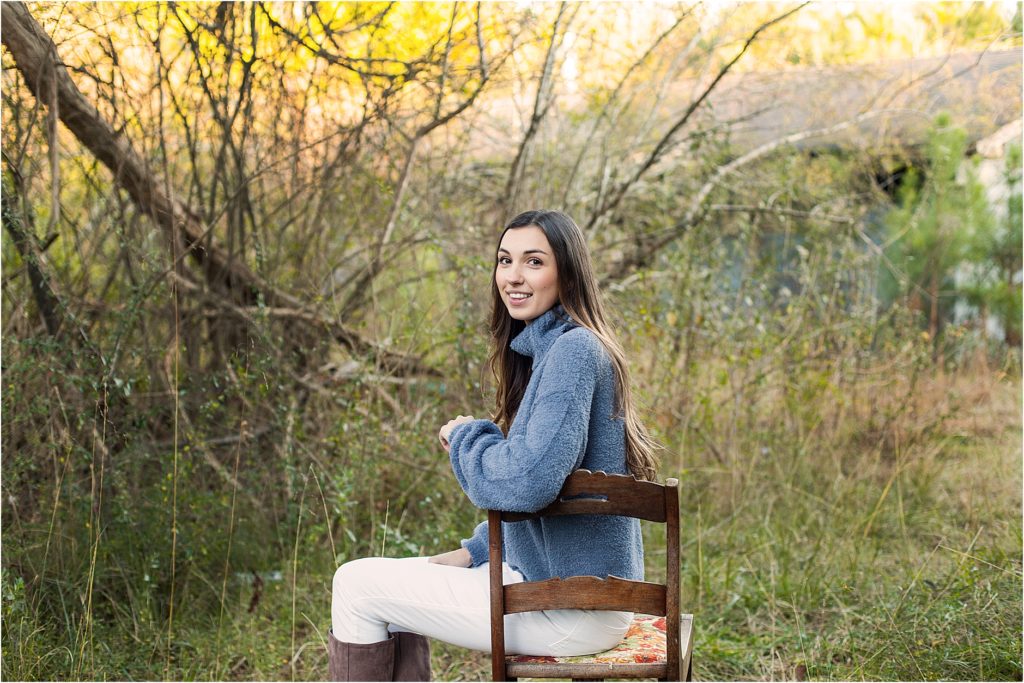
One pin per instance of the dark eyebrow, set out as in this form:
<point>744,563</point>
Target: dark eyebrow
<point>528,251</point>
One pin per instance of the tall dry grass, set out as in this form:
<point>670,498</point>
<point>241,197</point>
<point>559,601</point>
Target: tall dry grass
<point>841,520</point>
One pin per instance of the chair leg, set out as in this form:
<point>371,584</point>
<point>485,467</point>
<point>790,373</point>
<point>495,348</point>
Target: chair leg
<point>688,676</point>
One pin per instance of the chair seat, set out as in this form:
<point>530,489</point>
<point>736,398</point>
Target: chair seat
<point>644,643</point>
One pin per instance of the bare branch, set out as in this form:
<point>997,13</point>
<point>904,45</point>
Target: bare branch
<point>665,143</point>
<point>613,99</point>
<point>541,104</point>
<point>33,50</point>
<point>697,207</point>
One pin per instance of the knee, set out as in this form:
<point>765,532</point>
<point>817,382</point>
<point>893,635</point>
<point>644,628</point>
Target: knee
<point>352,576</point>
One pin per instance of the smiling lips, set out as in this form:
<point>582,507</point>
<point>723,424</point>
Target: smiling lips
<point>517,298</point>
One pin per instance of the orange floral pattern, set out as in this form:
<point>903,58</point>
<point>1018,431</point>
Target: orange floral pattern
<point>644,643</point>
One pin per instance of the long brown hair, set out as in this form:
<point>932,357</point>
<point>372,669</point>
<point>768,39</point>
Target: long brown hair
<point>580,296</point>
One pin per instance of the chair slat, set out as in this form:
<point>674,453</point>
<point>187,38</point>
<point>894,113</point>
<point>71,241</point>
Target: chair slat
<point>621,495</point>
<point>586,592</point>
<point>580,671</point>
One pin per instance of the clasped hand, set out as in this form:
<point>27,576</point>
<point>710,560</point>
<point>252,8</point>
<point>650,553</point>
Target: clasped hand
<point>445,434</point>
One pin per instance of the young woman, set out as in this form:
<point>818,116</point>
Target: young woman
<point>563,403</point>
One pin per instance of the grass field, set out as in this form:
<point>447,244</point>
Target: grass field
<point>854,550</point>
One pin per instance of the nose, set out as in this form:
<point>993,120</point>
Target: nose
<point>513,276</point>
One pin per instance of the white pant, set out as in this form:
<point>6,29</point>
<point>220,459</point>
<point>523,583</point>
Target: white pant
<point>375,595</point>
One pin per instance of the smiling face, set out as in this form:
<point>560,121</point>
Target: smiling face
<point>526,273</point>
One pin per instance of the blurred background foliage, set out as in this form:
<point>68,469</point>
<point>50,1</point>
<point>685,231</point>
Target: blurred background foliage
<point>807,220</point>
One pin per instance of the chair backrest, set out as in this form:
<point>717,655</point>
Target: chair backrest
<point>593,493</point>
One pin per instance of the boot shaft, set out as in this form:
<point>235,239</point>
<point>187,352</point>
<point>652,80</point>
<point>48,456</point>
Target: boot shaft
<point>360,661</point>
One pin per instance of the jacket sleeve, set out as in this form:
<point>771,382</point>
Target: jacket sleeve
<point>478,544</point>
<point>524,472</point>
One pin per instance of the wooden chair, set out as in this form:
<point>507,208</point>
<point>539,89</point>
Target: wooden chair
<point>589,493</point>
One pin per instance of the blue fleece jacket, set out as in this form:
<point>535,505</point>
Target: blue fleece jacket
<point>564,422</point>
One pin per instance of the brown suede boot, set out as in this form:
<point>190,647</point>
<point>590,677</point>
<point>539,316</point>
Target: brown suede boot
<point>360,661</point>
<point>412,657</point>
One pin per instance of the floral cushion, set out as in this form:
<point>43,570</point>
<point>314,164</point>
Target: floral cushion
<point>644,643</point>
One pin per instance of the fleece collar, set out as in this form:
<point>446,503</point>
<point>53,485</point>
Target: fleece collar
<point>537,337</point>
